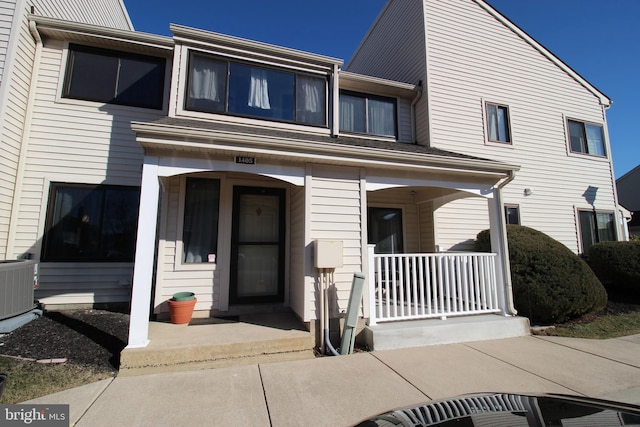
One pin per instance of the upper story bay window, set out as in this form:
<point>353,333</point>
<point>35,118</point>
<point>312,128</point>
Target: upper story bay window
<point>369,114</point>
<point>221,86</point>
<point>586,138</point>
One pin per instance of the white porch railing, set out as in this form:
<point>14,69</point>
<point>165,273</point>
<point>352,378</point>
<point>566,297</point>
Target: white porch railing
<point>438,285</point>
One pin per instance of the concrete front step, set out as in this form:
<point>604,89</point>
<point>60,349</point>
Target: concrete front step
<point>416,333</point>
<point>210,343</point>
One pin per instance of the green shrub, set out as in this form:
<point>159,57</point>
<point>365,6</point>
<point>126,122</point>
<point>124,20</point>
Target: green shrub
<point>551,284</point>
<point>618,265</point>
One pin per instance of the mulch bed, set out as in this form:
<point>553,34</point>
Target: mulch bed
<point>92,338</point>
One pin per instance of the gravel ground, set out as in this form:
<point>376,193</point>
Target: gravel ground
<point>92,338</point>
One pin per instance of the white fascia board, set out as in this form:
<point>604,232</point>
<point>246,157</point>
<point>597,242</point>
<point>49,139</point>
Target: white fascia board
<point>362,83</point>
<point>209,38</point>
<point>73,30</point>
<point>152,136</point>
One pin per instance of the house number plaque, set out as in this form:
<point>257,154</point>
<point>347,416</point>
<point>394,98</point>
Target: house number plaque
<point>243,160</point>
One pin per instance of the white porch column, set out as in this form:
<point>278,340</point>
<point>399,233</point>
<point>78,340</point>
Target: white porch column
<point>371,281</point>
<point>145,249</point>
<point>499,245</point>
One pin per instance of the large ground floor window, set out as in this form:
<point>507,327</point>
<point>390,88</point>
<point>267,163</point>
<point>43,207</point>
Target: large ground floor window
<point>91,223</point>
<point>200,226</point>
<point>596,226</point>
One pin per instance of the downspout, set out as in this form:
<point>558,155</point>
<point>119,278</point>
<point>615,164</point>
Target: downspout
<point>24,141</point>
<point>622,229</point>
<point>506,266</point>
<point>414,124</point>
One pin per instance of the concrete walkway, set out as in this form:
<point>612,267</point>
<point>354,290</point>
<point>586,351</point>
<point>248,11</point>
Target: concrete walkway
<point>340,391</point>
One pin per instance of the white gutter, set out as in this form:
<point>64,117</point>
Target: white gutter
<point>414,123</point>
<point>506,266</point>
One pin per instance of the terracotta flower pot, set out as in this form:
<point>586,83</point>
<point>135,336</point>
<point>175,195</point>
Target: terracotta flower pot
<point>181,311</point>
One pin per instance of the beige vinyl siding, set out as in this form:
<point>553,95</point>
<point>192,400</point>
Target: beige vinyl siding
<point>84,283</point>
<point>459,222</point>
<point>200,279</point>
<point>400,24</point>
<point>404,120</point>
<point>7,9</point>
<point>335,215</point>
<point>105,13</point>
<point>75,142</point>
<point>427,236</point>
<point>16,85</point>
<point>298,251</point>
<point>474,58</point>
<point>401,199</point>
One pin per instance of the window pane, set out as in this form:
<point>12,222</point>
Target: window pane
<point>310,100</point>
<point>381,117</point>
<point>576,134</point>
<point>503,124</point>
<point>498,123</point>
<point>606,227</point>
<point>595,142</point>
<point>512,214</point>
<point>587,230</point>
<point>385,230</point>
<point>140,83</point>
<point>120,223</point>
<point>200,229</point>
<point>352,114</point>
<point>261,92</point>
<point>87,223</point>
<point>492,122</point>
<point>92,76</point>
<point>207,84</point>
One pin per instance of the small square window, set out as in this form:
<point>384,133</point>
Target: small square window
<point>512,214</point>
<point>586,138</point>
<point>498,128</point>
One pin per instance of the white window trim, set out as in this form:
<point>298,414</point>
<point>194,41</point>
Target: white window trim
<point>390,206</point>
<point>178,264</point>
<point>567,137</point>
<point>179,110</point>
<point>513,205</point>
<point>577,210</point>
<point>485,125</point>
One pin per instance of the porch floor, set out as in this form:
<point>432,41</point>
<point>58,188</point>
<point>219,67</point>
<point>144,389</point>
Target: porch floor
<point>417,333</point>
<point>218,342</point>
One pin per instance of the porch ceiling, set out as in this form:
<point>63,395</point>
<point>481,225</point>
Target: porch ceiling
<point>170,135</point>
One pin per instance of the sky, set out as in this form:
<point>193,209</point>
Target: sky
<point>600,39</point>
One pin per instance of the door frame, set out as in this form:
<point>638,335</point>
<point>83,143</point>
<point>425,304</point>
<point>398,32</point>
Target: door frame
<point>238,191</point>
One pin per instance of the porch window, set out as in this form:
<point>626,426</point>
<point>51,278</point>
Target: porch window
<point>114,77</point>
<point>369,114</point>
<point>586,138</point>
<point>217,85</point>
<point>385,230</point>
<point>200,225</point>
<point>596,227</point>
<point>91,223</point>
<point>512,214</point>
<point>498,129</point>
